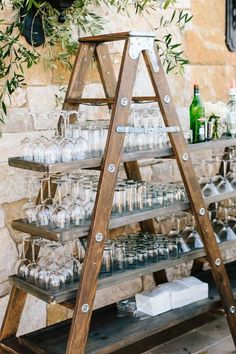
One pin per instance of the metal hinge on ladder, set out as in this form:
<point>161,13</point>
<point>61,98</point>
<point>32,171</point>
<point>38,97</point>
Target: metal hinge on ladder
<point>140,42</point>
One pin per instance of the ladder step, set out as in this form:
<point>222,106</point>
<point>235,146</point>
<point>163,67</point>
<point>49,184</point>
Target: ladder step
<point>111,37</point>
<point>105,37</point>
<point>108,100</point>
<point>127,329</point>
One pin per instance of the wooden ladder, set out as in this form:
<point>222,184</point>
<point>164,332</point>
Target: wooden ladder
<point>119,96</point>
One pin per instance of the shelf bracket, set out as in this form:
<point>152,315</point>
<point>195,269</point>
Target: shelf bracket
<point>147,130</point>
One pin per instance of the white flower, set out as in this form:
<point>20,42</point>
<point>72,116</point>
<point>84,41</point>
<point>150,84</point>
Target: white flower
<point>217,109</point>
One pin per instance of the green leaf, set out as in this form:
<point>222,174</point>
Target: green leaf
<point>166,4</point>
<point>4,108</point>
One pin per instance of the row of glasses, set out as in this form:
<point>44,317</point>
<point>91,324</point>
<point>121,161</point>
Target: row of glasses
<point>138,250</point>
<point>74,201</point>
<point>146,140</point>
<point>55,146</point>
<point>85,139</point>
<point>217,176</point>
<point>56,265</point>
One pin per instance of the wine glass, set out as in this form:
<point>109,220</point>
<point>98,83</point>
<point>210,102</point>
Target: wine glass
<point>209,188</point>
<point>226,233</point>
<point>22,263</point>
<point>61,214</point>
<point>222,184</point>
<point>29,208</point>
<point>43,210</point>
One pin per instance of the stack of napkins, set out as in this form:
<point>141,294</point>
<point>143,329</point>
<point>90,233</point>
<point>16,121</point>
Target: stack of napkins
<point>171,295</point>
<point>153,302</point>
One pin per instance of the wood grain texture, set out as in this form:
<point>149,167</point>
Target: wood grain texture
<point>13,313</point>
<point>190,180</point>
<point>109,332</point>
<point>115,222</point>
<point>103,205</point>
<point>78,78</point>
<point>15,305</point>
<point>131,156</point>
<point>109,100</point>
<point>105,37</point>
<point>68,292</point>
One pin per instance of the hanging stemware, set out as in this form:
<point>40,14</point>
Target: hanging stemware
<point>29,208</point>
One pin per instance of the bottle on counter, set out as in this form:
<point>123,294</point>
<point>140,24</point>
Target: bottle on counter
<point>197,117</point>
<point>231,113</point>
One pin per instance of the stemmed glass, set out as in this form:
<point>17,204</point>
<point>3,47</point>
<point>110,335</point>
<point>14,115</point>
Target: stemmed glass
<point>77,211</point>
<point>22,263</point>
<point>209,188</point>
<point>31,267</point>
<point>43,210</point>
<point>29,208</point>
<point>56,277</point>
<point>222,183</point>
<point>66,145</point>
<point>226,233</point>
<point>61,214</point>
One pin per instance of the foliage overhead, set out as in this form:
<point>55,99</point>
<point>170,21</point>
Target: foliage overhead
<point>61,43</point>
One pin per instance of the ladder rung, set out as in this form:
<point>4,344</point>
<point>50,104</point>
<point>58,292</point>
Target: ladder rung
<point>108,100</point>
<point>70,304</point>
<point>105,37</point>
<point>115,36</point>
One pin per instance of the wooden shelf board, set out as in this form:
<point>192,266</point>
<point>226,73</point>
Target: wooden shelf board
<point>81,231</point>
<point>69,290</point>
<point>109,332</point>
<point>96,162</point>
<point>115,222</point>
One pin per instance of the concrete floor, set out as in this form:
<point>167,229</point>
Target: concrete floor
<point>212,337</point>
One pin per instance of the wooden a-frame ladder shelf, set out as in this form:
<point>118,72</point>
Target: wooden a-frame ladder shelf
<point>118,97</point>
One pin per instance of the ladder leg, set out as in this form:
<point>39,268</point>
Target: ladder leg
<point>132,169</point>
<point>103,204</point>
<point>108,79</point>
<point>190,180</point>
<point>77,80</point>
<point>15,308</point>
<point>13,313</point>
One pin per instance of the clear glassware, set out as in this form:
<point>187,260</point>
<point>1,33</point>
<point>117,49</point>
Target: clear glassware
<point>61,214</point>
<point>22,263</point>
<point>27,149</point>
<point>107,261</point>
<point>222,183</point>
<point>43,210</point>
<point>66,144</point>
<point>29,208</point>
<point>31,267</point>
<point>209,188</point>
<point>226,233</point>
<point>194,240</point>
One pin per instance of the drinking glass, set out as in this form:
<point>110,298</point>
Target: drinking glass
<point>22,263</point>
<point>29,208</point>
<point>209,188</point>
<point>61,214</point>
<point>43,210</point>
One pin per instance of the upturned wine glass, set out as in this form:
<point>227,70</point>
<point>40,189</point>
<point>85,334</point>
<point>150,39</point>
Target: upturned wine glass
<point>61,214</point>
<point>29,208</point>
<point>43,210</point>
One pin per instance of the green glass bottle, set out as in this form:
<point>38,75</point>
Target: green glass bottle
<point>197,120</point>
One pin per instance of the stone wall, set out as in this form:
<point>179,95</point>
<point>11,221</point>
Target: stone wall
<point>212,65</point>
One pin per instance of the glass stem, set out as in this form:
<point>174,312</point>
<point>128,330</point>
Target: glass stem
<point>59,194</point>
<point>33,252</point>
<point>41,192</point>
<point>49,189</point>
